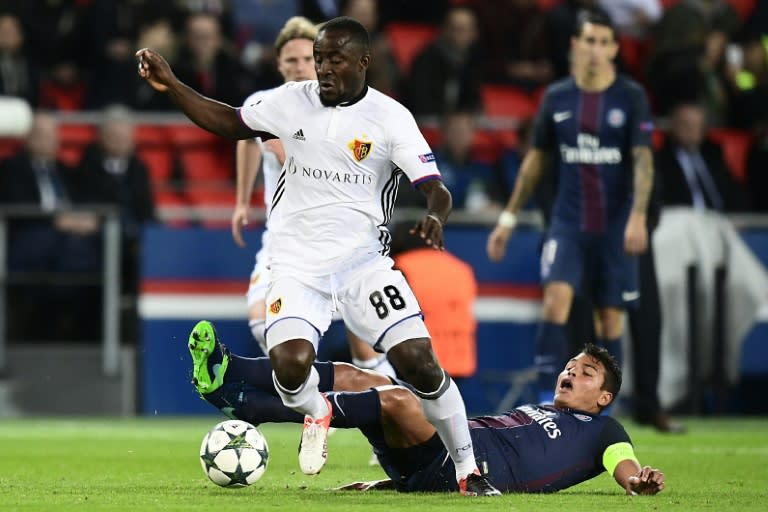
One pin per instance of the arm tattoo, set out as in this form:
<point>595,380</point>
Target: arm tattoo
<point>643,171</point>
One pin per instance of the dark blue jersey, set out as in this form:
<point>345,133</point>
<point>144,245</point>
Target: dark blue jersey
<point>591,136</point>
<point>528,449</point>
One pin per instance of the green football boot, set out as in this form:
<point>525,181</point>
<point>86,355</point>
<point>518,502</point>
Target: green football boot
<point>203,342</point>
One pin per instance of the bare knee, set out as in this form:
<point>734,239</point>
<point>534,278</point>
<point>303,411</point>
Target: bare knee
<point>398,402</point>
<point>609,323</point>
<point>347,377</point>
<point>402,418</point>
<point>556,303</point>
<point>291,362</point>
<point>416,362</point>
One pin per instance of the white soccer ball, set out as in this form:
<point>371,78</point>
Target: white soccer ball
<point>234,454</point>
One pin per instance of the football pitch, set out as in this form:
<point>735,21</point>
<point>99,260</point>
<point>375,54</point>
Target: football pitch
<point>152,464</point>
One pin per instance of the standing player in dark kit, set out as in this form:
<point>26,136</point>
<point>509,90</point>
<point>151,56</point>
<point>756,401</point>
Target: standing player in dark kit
<point>598,127</point>
<point>527,449</point>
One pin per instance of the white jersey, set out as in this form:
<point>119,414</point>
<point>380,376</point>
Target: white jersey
<point>338,185</point>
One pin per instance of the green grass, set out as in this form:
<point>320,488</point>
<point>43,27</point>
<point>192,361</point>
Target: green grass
<point>152,464</point>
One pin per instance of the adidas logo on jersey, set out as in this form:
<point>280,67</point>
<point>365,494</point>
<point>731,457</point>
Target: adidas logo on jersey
<point>299,135</point>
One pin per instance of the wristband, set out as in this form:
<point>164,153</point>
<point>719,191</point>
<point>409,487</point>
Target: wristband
<point>507,220</point>
<point>434,217</point>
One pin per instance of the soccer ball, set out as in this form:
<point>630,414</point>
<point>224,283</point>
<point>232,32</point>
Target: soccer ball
<point>234,454</point>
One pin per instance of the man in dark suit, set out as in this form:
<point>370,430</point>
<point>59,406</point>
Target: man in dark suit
<point>111,173</point>
<point>59,243</point>
<point>692,169</point>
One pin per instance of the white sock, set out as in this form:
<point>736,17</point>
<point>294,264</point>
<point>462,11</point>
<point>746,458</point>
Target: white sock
<point>380,364</point>
<point>448,414</point>
<point>257,329</point>
<point>306,399</point>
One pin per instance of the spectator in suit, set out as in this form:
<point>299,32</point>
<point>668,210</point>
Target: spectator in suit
<point>692,167</point>
<point>446,75</point>
<point>515,42</point>
<point>208,65</point>
<point>57,243</point>
<point>383,74</point>
<point>19,74</point>
<point>112,173</point>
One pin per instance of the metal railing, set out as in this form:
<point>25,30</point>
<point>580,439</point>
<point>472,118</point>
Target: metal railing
<point>110,277</point>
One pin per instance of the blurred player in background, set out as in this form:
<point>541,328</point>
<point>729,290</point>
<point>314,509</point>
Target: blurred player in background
<point>295,63</point>
<point>345,146</point>
<point>598,127</point>
<point>527,449</point>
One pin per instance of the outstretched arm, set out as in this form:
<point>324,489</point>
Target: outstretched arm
<point>638,480</point>
<point>439,204</point>
<point>209,114</point>
<point>527,179</point>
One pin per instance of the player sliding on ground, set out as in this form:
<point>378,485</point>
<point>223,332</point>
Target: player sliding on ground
<point>528,449</point>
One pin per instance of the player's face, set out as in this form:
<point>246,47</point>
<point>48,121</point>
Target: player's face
<point>295,61</point>
<point>578,385</point>
<point>594,49</point>
<point>340,66</point>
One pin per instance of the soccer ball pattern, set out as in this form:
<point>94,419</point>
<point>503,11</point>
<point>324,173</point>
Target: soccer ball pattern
<point>234,454</point>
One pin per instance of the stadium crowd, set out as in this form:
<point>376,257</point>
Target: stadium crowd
<point>439,58</point>
<point>472,77</point>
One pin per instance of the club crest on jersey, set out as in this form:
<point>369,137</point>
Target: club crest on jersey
<point>274,308</point>
<point>616,117</point>
<point>361,148</point>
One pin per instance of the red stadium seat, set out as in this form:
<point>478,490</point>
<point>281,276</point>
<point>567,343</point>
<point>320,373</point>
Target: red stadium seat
<point>634,53</point>
<point>744,8</point>
<point>507,138</point>
<point>735,144</point>
<point>406,41</point>
<point>205,165</point>
<point>507,101</point>
<point>73,138</point>
<point>657,139</point>
<point>151,135</point>
<point>432,134</point>
<point>9,146</point>
<point>159,162</point>
<point>485,146</point>
<point>547,4</point>
<point>204,156</point>
<point>76,134</point>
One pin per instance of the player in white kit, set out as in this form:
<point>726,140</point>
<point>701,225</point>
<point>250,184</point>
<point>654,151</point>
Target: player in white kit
<point>346,146</point>
<point>295,63</point>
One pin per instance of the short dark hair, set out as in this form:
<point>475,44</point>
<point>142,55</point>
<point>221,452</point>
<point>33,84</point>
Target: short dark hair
<point>595,17</point>
<point>612,382</point>
<point>357,32</point>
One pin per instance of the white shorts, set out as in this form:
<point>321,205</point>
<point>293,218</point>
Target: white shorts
<point>375,302</point>
<point>259,283</point>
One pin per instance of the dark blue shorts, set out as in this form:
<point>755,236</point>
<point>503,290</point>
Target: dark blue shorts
<point>591,263</point>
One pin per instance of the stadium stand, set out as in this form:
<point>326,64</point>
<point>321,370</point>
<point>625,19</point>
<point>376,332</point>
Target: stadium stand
<point>407,40</point>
